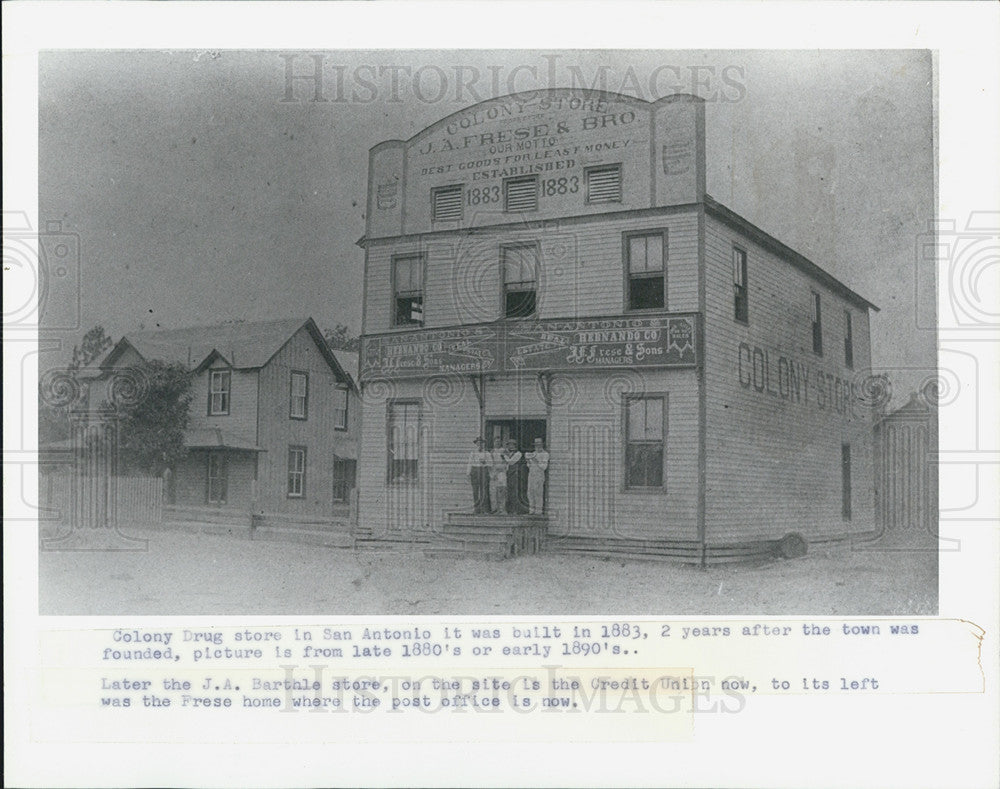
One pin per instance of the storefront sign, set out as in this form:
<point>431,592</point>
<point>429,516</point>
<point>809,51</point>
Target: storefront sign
<point>534,346</point>
<point>429,351</point>
<point>600,344</point>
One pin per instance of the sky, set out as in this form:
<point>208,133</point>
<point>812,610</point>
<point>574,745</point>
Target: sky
<point>204,186</point>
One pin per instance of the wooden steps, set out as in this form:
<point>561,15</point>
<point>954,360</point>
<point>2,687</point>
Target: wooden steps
<point>495,537</point>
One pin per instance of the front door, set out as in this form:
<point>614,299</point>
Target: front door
<point>523,432</point>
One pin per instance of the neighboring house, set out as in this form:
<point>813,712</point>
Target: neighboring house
<point>273,421</point>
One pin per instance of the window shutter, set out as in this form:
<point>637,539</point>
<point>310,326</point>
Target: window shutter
<point>604,184</point>
<point>447,203</point>
<point>521,194</point>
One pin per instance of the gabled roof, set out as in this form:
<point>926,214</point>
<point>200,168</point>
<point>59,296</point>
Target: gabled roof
<point>349,361</point>
<point>244,345</point>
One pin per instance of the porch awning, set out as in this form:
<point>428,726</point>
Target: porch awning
<point>213,438</point>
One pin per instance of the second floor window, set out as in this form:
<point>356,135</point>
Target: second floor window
<point>520,279</point>
<point>340,409</point>
<point>299,406</point>
<point>817,324</point>
<point>408,289</point>
<point>742,305</point>
<point>521,194</point>
<point>848,340</point>
<point>219,382</point>
<point>446,203</point>
<point>646,266</point>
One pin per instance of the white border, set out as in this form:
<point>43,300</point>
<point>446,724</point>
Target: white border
<point>908,742</point>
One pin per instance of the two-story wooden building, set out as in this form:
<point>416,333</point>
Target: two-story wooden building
<point>273,423</point>
<point>548,265</point>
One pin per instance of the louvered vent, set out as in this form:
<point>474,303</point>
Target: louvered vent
<point>521,194</point>
<point>446,203</point>
<point>604,184</point>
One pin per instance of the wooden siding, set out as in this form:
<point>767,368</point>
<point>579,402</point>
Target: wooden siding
<point>278,431</point>
<point>581,270</point>
<point>190,483</point>
<point>585,434</point>
<point>241,421</point>
<point>773,463</point>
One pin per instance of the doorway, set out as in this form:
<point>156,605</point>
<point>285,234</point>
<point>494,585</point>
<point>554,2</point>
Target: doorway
<point>523,432</point>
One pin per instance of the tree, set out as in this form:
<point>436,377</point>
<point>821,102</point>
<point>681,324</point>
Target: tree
<point>151,401</point>
<point>94,343</point>
<point>340,339</point>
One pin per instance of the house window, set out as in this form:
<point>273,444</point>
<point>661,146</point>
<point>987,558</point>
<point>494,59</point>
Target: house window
<point>446,203</point>
<point>296,472</point>
<point>299,406</point>
<point>646,266</point>
<point>845,473</point>
<point>817,325</point>
<point>219,382</point>
<point>344,470</point>
<point>520,279</point>
<point>404,441</point>
<point>217,477</point>
<point>603,184</point>
<point>340,409</point>
<point>848,340</point>
<point>520,194</point>
<point>644,430</point>
<point>408,285</point>
<point>742,306</point>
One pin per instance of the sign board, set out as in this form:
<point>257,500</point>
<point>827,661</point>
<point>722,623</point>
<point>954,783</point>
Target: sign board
<point>534,346</point>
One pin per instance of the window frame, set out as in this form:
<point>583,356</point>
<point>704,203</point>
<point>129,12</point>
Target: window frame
<point>503,277</point>
<point>346,409</point>
<point>293,448</point>
<point>506,184</point>
<point>664,399</point>
<point>816,322</point>
<point>222,476</point>
<point>587,171</point>
<point>401,481</point>
<point>627,237</point>
<point>304,416</point>
<point>345,479</point>
<point>393,304</point>
<point>436,190</point>
<point>848,340</point>
<point>227,375</point>
<point>741,290</point>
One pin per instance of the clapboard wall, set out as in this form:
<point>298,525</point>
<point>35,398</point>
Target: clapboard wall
<point>773,458</point>
<point>581,268</point>
<point>585,433</point>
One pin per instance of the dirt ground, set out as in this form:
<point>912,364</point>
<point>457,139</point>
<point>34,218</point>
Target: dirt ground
<point>195,574</point>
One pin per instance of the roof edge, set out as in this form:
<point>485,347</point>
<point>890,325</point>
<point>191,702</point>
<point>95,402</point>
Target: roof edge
<point>797,259</point>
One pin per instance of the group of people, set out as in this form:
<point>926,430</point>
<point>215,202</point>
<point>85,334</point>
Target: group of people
<point>493,474</point>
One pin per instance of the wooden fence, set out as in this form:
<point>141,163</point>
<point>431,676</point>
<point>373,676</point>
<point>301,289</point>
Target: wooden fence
<point>95,501</point>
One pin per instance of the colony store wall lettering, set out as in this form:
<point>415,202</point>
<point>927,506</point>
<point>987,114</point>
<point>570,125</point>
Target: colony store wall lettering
<point>769,373</point>
<point>585,344</point>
